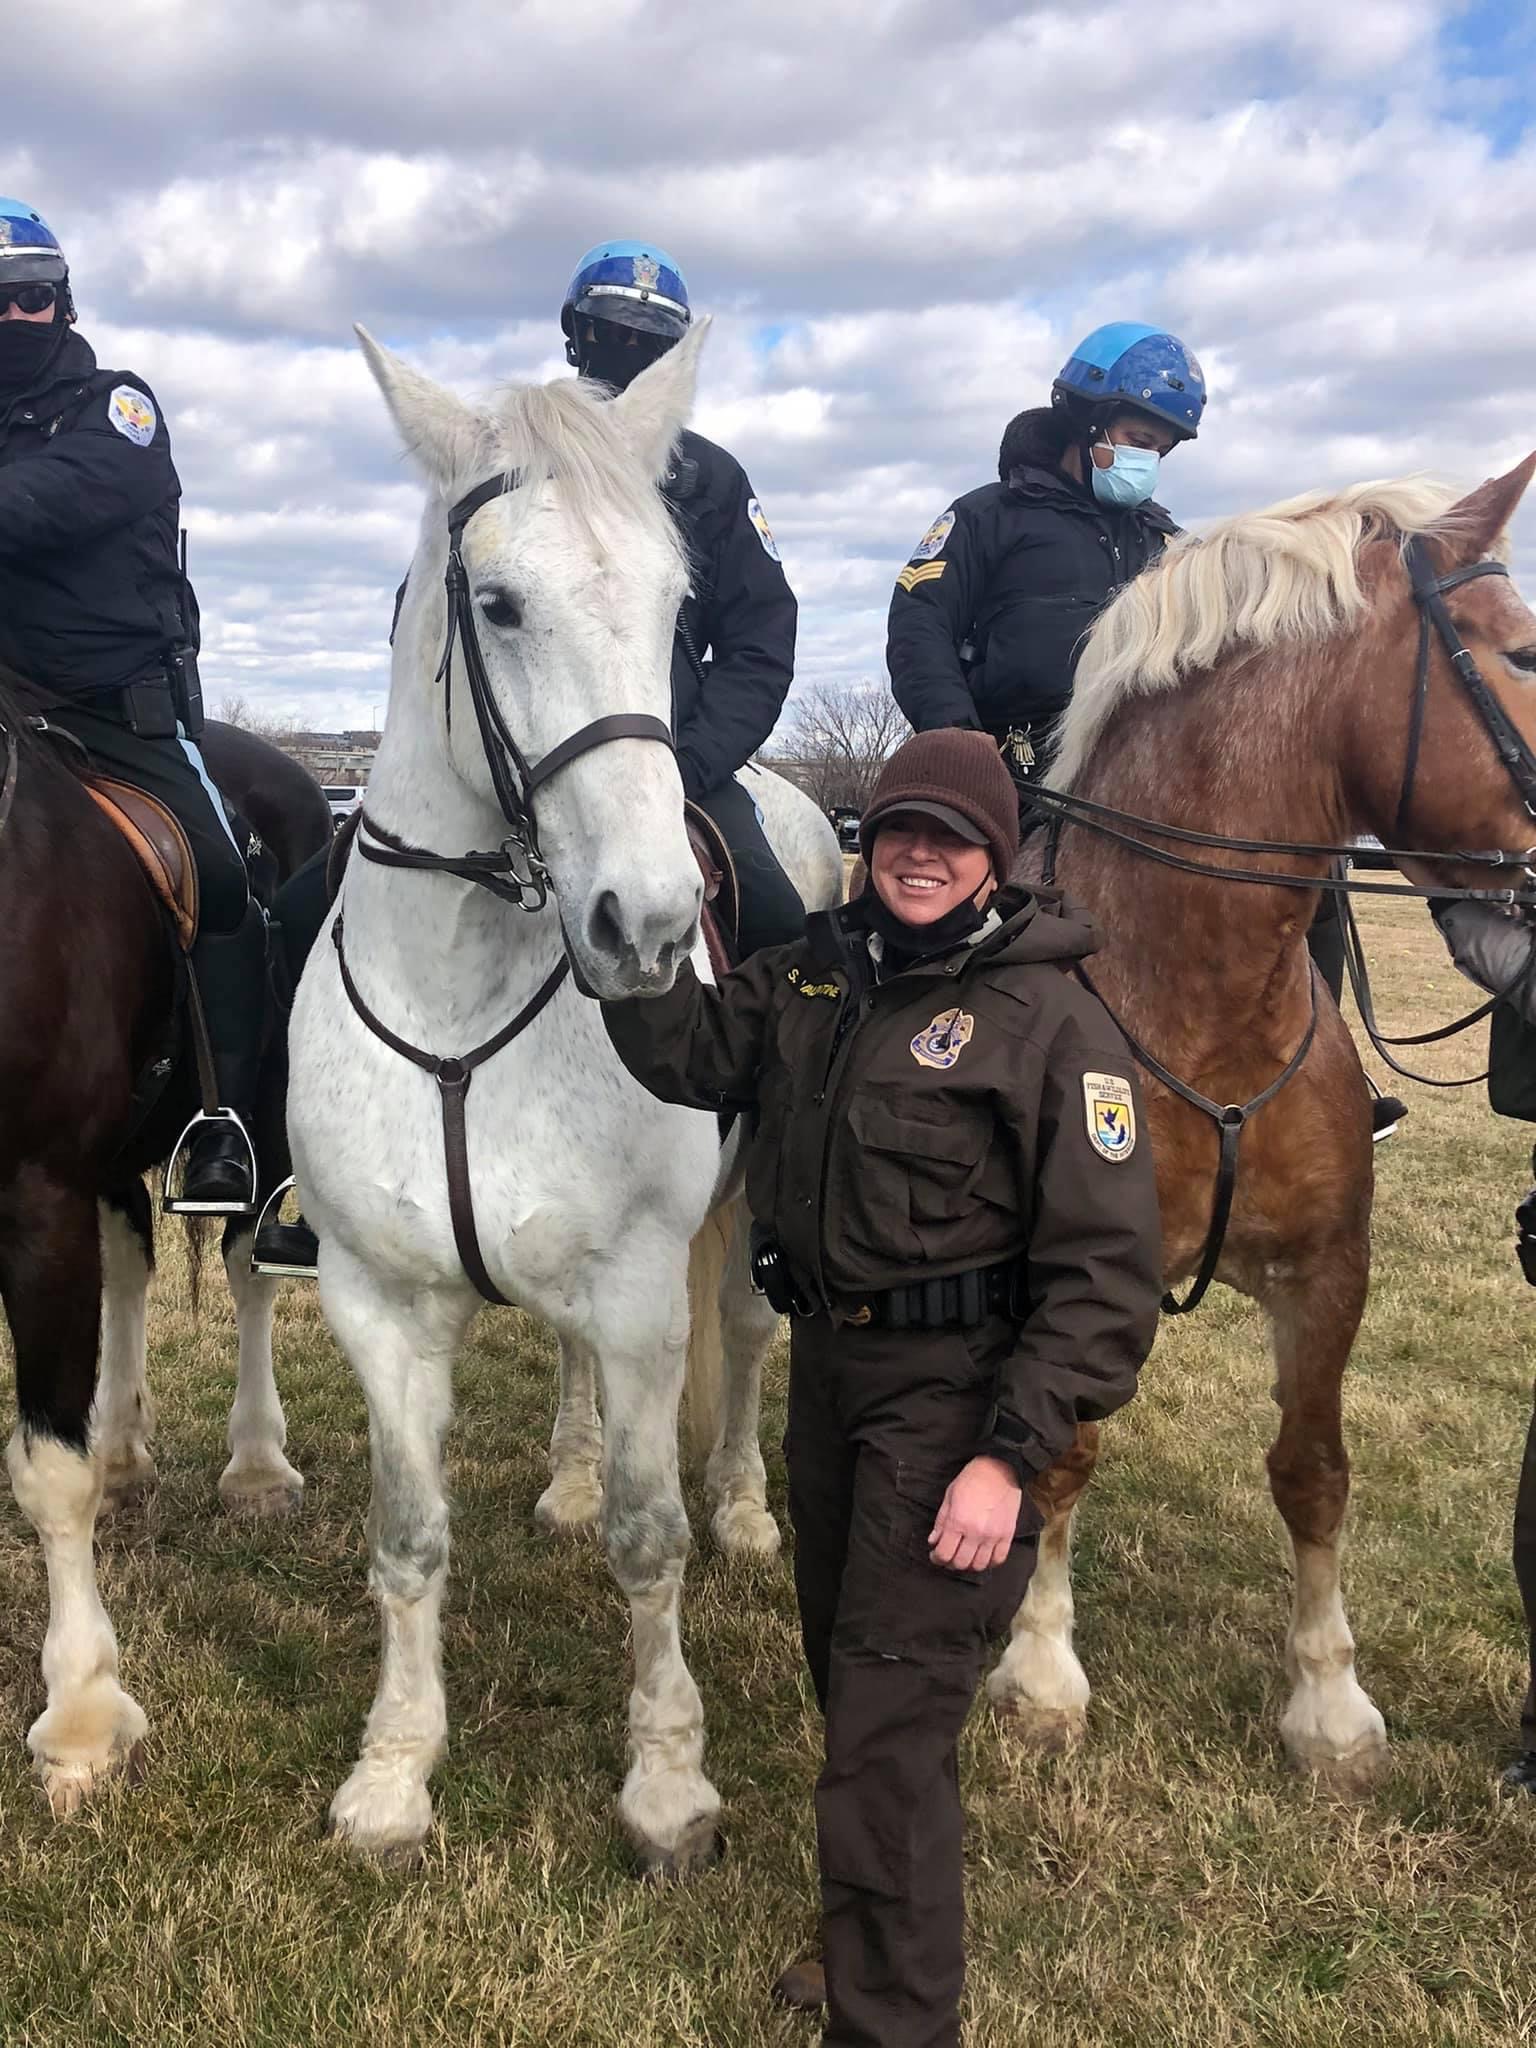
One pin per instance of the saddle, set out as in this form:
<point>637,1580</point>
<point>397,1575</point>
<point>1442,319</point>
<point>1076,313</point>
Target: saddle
<point>721,921</point>
<point>158,844</point>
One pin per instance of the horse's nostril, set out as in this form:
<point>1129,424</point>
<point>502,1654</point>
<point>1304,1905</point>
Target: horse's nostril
<point>605,926</point>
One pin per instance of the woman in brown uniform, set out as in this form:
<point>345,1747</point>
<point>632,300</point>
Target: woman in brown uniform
<point>952,1194</point>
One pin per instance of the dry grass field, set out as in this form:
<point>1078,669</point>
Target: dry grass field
<point>1171,1886</point>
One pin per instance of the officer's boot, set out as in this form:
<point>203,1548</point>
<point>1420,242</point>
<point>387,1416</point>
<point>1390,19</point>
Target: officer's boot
<point>802,1987</point>
<point>1520,1776</point>
<point>231,976</point>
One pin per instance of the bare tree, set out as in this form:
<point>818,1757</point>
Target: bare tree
<point>234,708</point>
<point>837,738</point>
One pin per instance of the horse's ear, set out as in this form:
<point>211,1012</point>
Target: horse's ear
<point>1475,524</point>
<point>655,408</point>
<point>439,430</point>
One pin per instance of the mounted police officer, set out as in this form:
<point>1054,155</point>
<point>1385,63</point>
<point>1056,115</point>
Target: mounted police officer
<point>98,618</point>
<point>625,306</point>
<point>988,616</point>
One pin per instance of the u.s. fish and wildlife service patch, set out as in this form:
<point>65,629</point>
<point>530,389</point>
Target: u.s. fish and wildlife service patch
<point>759,519</point>
<point>133,415</point>
<point>941,1043</point>
<point>1110,1110</point>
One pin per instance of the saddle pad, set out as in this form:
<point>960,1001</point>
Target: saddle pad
<point>159,845</point>
<point>722,892</point>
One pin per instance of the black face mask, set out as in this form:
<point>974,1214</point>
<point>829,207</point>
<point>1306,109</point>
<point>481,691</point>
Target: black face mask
<point>27,349</point>
<point>905,943</point>
<point>616,355</point>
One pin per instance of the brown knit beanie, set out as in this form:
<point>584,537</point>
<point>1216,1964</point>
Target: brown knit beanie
<point>957,777</point>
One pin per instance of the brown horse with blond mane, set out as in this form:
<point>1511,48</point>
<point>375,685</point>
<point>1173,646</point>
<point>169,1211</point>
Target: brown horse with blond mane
<point>1269,682</point>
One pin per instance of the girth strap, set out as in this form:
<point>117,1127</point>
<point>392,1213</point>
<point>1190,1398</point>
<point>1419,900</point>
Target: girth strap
<point>1230,1120</point>
<point>453,1076</point>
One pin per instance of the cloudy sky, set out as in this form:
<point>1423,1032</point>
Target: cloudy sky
<point>902,211</point>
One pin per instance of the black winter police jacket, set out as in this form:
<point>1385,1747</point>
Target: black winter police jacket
<point>987,618</point>
<point>91,591</point>
<point>740,610</point>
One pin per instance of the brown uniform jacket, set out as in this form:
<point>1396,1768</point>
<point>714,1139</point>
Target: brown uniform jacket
<point>970,1110</point>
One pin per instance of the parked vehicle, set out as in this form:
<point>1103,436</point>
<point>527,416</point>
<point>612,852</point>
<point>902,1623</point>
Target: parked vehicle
<point>343,798</point>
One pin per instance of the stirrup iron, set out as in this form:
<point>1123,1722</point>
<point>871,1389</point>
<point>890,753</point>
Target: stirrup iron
<point>271,1212</point>
<point>175,1205</point>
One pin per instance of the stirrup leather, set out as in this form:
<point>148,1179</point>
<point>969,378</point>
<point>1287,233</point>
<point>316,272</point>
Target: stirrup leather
<point>176,1204</point>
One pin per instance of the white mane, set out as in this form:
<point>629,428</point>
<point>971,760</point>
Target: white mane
<point>1289,573</point>
<point>566,430</point>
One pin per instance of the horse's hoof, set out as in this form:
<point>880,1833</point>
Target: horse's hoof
<point>376,1816</point>
<point>262,1496</point>
<point>1347,1777</point>
<point>68,1784</point>
<point>744,1528</point>
<point>700,1846</point>
<point>569,1506</point>
<point>1049,1731</point>
<point>126,1485</point>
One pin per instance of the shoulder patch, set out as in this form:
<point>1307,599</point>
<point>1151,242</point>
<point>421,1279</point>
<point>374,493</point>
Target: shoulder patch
<point>941,1043</point>
<point>932,542</point>
<point>1110,1111</point>
<point>764,531</point>
<point>912,575</point>
<point>133,415</point>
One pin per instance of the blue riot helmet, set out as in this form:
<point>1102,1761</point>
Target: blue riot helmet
<point>626,305</point>
<point>29,249</point>
<point>33,275</point>
<point>1128,364</point>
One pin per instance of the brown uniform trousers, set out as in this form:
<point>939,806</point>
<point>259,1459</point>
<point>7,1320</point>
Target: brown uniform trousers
<point>1525,1573</point>
<point>879,1424</point>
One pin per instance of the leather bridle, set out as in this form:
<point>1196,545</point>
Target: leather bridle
<point>520,860</point>
<point>516,871</point>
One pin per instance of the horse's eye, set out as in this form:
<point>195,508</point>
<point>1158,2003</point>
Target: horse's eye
<point>500,608</point>
<point>1522,658</point>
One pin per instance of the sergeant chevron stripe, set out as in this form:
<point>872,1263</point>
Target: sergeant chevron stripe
<point>920,572</point>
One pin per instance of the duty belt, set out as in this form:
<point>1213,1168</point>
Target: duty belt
<point>960,1301</point>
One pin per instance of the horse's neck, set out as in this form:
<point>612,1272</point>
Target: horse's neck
<point>1255,763</point>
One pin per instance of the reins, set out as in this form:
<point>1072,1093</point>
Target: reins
<point>515,872</point>
<point>1062,807</point>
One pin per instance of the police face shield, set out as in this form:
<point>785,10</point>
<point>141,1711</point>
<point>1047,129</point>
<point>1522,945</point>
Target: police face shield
<point>615,351</point>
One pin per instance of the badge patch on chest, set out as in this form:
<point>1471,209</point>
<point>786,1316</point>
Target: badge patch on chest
<point>1111,1115</point>
<point>132,415</point>
<point>941,1043</point>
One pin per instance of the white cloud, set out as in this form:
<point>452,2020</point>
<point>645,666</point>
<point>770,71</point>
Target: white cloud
<point>902,214</point>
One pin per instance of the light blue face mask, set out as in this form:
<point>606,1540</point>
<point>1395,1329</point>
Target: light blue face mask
<point>1130,480</point>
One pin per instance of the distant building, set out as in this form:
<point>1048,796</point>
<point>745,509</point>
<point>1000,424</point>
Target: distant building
<point>336,757</point>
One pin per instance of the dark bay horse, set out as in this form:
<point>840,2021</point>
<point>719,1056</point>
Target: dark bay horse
<point>87,1014</point>
<point>1262,683</point>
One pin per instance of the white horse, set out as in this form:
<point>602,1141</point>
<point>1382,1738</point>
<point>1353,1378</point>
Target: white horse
<point>586,1193</point>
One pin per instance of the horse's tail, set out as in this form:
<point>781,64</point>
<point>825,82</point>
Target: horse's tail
<point>195,1229</point>
<point>704,1372</point>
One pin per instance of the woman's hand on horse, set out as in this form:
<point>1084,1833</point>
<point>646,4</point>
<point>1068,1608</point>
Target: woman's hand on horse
<point>978,1517</point>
